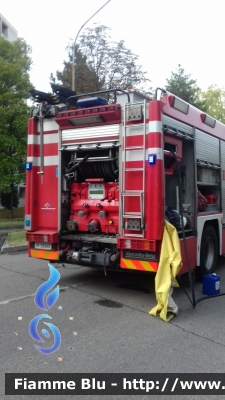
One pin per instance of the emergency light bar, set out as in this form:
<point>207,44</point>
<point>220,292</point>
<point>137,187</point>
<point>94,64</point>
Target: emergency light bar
<point>206,119</point>
<point>92,102</point>
<point>178,104</point>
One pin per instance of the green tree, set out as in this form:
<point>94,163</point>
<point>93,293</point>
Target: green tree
<point>6,199</point>
<point>214,99</point>
<point>15,63</point>
<point>186,88</point>
<point>108,64</point>
<point>84,76</point>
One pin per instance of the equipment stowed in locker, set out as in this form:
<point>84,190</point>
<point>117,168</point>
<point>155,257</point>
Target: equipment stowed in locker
<point>93,164</point>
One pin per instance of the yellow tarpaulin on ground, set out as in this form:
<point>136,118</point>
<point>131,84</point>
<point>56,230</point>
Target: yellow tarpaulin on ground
<point>170,264</point>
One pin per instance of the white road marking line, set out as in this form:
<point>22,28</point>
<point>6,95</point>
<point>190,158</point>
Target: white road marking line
<point>16,299</point>
<point>27,296</point>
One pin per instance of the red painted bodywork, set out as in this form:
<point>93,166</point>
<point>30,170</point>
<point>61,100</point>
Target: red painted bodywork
<point>110,114</point>
<point>155,179</point>
<point>193,118</point>
<point>41,201</point>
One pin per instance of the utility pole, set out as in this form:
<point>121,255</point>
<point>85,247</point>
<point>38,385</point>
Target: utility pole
<point>74,46</point>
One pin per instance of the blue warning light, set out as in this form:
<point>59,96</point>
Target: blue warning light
<point>28,166</point>
<point>152,159</point>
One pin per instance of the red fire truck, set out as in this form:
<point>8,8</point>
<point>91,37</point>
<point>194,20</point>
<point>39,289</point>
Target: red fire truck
<point>102,176</point>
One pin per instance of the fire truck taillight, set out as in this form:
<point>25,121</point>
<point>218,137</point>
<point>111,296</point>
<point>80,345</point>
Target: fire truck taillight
<point>136,244</point>
<point>29,237</point>
<point>178,104</point>
<point>127,244</point>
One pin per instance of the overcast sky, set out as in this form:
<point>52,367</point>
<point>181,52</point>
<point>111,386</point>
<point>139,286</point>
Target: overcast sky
<point>162,33</point>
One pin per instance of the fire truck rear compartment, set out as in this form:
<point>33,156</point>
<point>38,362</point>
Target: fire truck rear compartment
<point>179,183</point>
<point>90,206</point>
<point>83,238</point>
<point>185,153</point>
<point>90,180</point>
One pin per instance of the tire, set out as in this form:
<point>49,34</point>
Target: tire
<point>209,251</point>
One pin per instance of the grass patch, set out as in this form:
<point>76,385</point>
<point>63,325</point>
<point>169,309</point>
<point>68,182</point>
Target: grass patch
<point>17,213</point>
<point>8,224</point>
<point>17,220</point>
<point>16,238</point>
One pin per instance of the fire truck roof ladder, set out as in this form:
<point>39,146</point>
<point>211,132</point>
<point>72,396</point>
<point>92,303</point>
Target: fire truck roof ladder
<point>126,194</point>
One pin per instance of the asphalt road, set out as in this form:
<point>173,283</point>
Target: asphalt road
<point>105,325</point>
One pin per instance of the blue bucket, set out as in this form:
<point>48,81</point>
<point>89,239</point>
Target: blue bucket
<point>211,284</point>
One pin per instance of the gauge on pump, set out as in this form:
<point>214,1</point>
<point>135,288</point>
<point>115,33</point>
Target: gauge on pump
<point>96,191</point>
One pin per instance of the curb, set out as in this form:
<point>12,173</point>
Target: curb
<point>5,248</point>
<point>4,231</point>
<point>10,249</point>
<point>2,240</point>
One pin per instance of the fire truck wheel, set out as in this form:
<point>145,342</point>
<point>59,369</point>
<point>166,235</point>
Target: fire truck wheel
<point>209,251</point>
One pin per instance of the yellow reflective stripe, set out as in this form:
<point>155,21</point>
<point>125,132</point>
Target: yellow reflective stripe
<point>146,265</point>
<point>45,254</point>
<point>128,264</point>
<point>138,265</point>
